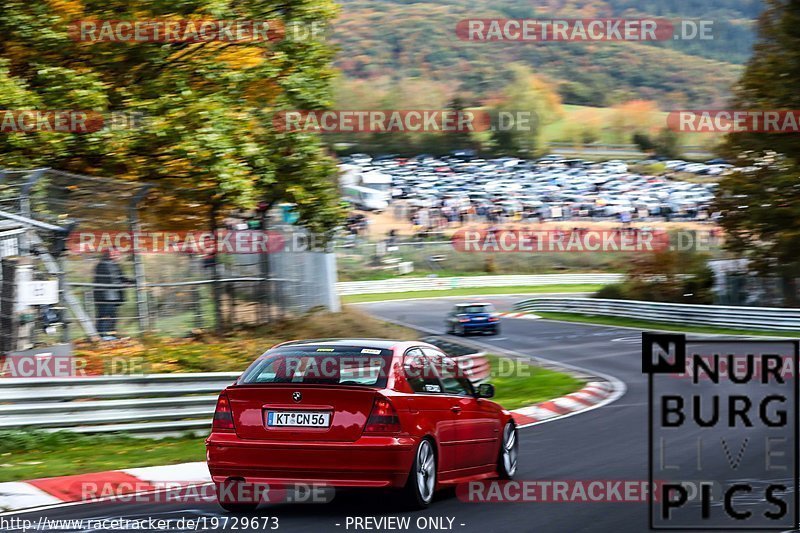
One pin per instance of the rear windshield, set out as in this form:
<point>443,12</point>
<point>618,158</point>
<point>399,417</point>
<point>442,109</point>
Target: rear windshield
<point>321,365</point>
<point>476,309</point>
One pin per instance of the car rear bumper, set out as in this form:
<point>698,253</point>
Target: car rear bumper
<point>368,462</point>
<point>470,326</point>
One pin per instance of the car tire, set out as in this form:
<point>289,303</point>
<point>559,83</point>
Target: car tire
<point>496,331</point>
<point>239,508</point>
<point>234,507</point>
<point>421,484</point>
<point>460,331</point>
<point>507,460</point>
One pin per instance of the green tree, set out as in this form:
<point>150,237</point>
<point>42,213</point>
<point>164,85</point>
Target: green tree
<point>761,202</point>
<point>208,140</point>
<point>771,78</point>
<point>664,276</point>
<point>666,144</point>
<point>643,141</point>
<point>529,95</point>
<point>458,140</point>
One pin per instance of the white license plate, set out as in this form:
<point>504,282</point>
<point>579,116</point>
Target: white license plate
<point>308,419</point>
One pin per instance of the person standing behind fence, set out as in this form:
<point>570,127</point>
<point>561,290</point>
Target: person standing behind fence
<point>111,295</point>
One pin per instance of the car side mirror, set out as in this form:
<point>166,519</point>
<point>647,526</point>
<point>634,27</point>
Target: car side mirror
<point>485,390</point>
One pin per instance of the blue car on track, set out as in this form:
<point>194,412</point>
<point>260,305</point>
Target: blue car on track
<point>478,317</point>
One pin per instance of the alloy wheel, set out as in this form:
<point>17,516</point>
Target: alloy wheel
<point>426,471</point>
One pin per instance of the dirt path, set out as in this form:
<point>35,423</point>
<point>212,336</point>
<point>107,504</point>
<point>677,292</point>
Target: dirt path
<point>380,224</point>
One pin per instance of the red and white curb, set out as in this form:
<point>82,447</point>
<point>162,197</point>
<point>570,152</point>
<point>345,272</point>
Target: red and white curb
<point>55,491</point>
<point>509,314</point>
<point>592,395</point>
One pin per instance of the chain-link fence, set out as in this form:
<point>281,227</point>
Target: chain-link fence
<point>360,259</point>
<point>180,289</point>
<point>365,260</point>
<point>166,291</point>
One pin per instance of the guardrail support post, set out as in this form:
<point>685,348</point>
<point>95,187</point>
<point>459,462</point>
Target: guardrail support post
<point>14,334</point>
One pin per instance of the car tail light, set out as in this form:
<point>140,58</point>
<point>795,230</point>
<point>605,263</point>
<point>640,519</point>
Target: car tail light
<point>383,418</point>
<point>494,318</point>
<point>223,417</point>
<point>463,319</point>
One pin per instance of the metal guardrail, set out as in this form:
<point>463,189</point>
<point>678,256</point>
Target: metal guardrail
<point>134,404</point>
<point>157,403</point>
<point>765,318</point>
<point>441,284</point>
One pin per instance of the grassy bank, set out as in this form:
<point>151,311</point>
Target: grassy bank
<point>207,352</point>
<point>31,455</point>
<point>651,325</point>
<point>465,291</point>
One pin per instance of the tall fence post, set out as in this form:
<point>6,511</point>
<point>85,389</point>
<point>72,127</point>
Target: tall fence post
<point>8,298</point>
<point>14,333</point>
<point>138,266</point>
<point>332,301</point>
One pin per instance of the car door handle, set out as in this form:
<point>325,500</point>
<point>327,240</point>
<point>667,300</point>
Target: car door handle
<point>455,409</point>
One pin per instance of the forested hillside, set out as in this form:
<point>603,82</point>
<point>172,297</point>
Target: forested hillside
<point>415,39</point>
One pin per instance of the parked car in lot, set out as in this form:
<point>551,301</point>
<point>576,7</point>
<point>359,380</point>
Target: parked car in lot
<point>370,413</point>
<point>535,186</point>
<point>365,198</point>
<point>468,318</point>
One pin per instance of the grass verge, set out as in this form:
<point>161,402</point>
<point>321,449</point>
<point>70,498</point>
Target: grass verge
<point>466,291</point>
<point>36,454</point>
<point>650,325</point>
<point>32,455</point>
<point>519,384</point>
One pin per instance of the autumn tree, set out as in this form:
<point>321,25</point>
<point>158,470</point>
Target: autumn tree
<point>632,116</point>
<point>761,202</point>
<point>529,94</point>
<point>770,79</point>
<point>208,141</point>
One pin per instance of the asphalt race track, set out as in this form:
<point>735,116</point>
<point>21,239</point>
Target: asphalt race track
<point>608,443</point>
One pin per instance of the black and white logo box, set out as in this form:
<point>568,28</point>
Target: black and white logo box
<point>723,433</point>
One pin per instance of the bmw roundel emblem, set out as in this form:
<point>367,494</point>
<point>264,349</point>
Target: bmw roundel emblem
<point>296,396</point>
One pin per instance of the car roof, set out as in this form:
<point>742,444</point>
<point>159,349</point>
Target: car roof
<point>384,344</point>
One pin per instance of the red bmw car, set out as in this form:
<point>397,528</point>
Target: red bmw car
<point>358,413</point>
